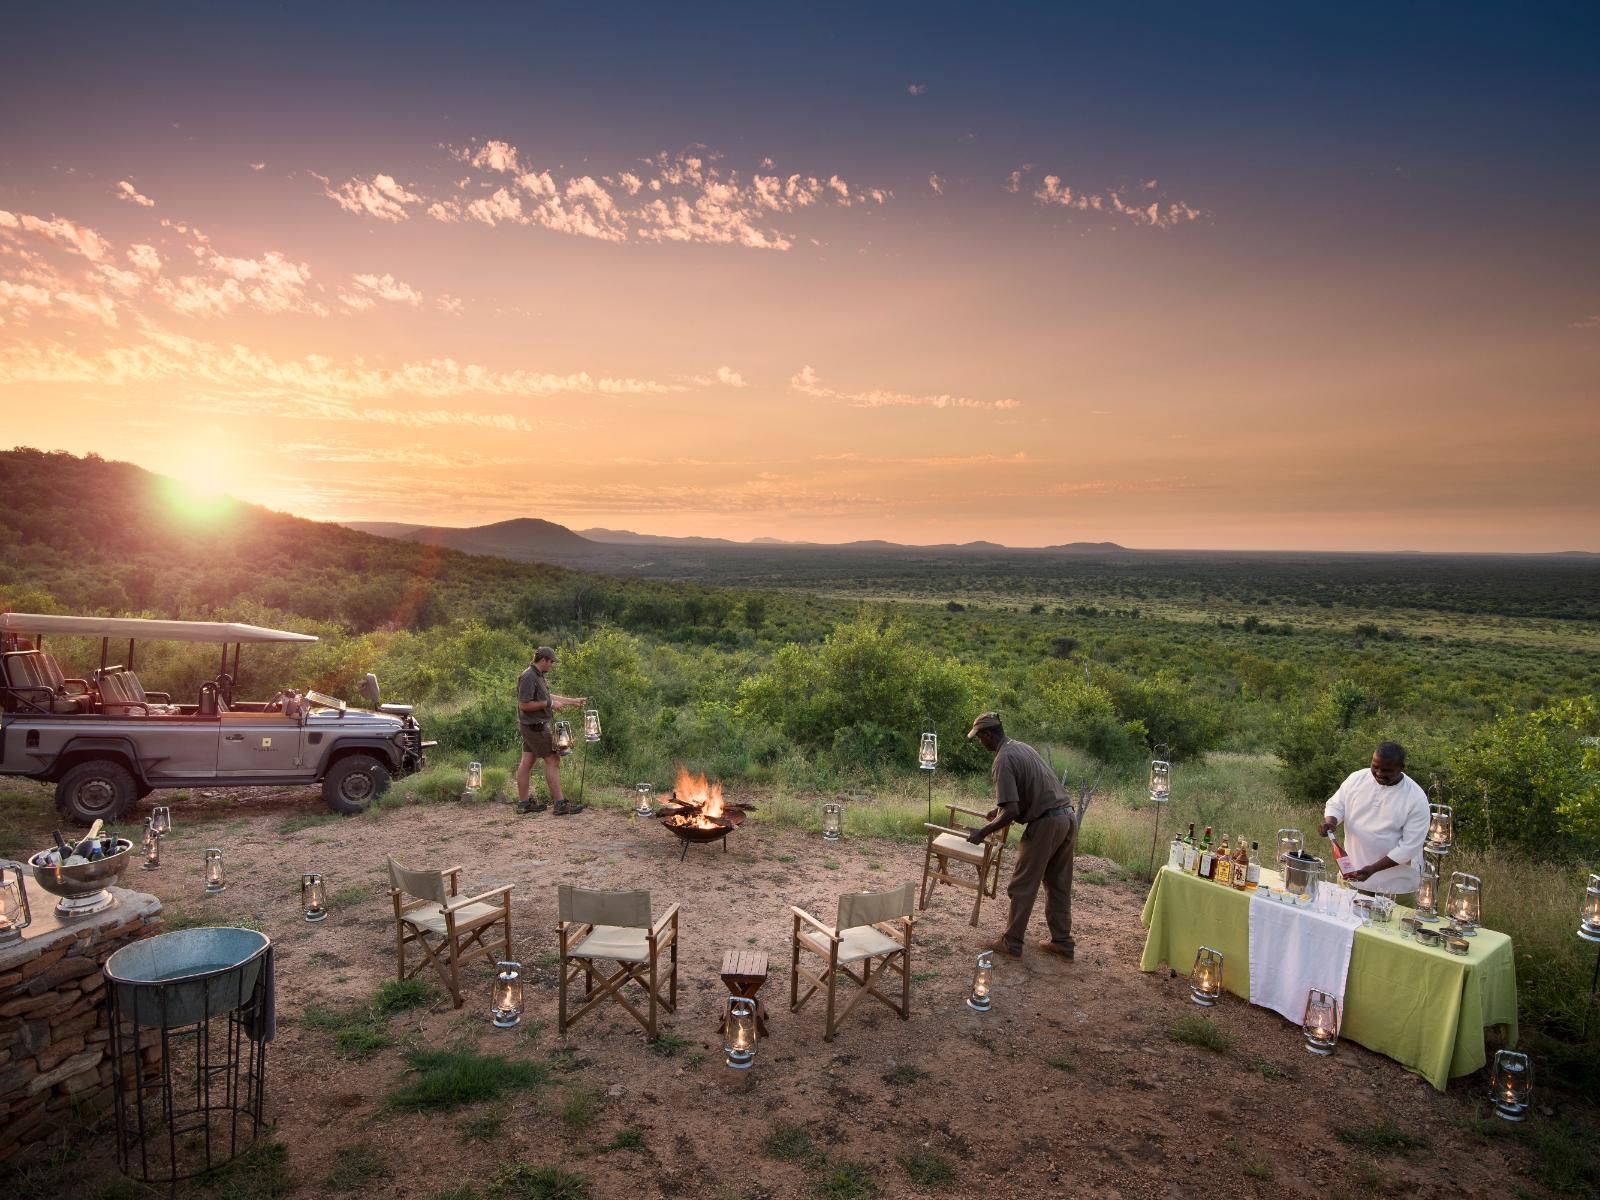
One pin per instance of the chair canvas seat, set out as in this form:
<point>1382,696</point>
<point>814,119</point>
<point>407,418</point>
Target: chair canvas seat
<point>468,915</point>
<point>952,846</point>
<point>855,944</point>
<point>615,943</point>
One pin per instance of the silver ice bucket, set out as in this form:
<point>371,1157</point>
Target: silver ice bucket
<point>187,976</point>
<point>1301,872</point>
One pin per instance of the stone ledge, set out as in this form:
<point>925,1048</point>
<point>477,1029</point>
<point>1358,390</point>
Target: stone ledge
<point>54,936</point>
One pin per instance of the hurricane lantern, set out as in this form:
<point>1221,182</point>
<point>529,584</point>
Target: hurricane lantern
<point>1589,920</point>
<point>928,751</point>
<point>982,984</point>
<point>645,804</point>
<point>563,737</point>
<point>1160,780</point>
<point>1464,903</point>
<point>832,822</point>
<point>1428,890</point>
<point>506,1006</point>
<point>161,820</point>
<point>151,846</point>
<point>591,724</point>
<point>15,916</point>
<point>1511,1085</point>
<point>739,1033</point>
<point>474,776</point>
<point>1205,981</point>
<point>313,896</point>
<point>1321,1023</point>
<point>1441,828</point>
<point>216,881</point>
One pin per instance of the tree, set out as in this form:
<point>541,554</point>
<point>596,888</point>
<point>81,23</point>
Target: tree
<point>755,612</point>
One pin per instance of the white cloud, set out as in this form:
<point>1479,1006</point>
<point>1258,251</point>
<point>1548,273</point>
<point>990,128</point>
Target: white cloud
<point>807,382</point>
<point>722,376</point>
<point>491,156</point>
<point>1053,191</point>
<point>379,197</point>
<point>936,184</point>
<point>260,166</point>
<point>450,304</point>
<point>916,89</point>
<point>144,257</point>
<point>78,239</point>
<point>126,191</point>
<point>387,287</point>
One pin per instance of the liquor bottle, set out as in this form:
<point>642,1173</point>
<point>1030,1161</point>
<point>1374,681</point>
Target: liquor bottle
<point>1208,860</point>
<point>1346,867</point>
<point>1191,852</point>
<point>1223,872</point>
<point>1253,874</point>
<point>1241,865</point>
<point>1175,852</point>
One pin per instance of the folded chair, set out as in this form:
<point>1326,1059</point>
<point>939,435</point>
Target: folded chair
<point>450,928</point>
<point>872,935</point>
<point>948,844</point>
<point>616,927</point>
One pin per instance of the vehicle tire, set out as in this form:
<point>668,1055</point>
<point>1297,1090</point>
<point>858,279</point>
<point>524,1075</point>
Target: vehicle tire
<point>100,789</point>
<point>353,782</point>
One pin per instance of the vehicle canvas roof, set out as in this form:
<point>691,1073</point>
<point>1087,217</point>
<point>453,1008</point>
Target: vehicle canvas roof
<point>140,627</point>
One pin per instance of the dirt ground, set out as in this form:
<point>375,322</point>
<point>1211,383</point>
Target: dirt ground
<point>1069,1087</point>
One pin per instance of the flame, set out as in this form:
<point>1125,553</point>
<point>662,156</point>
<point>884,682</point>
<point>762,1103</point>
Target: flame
<point>695,790</point>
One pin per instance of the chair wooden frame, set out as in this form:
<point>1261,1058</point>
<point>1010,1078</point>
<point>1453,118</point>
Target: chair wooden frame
<point>985,857</point>
<point>827,942</point>
<point>462,940</point>
<point>580,919</point>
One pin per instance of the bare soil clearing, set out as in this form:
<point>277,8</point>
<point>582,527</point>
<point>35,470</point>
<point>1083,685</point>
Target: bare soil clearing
<point>1070,1086</point>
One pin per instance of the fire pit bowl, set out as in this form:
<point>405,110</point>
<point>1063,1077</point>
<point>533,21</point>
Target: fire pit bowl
<point>692,831</point>
<point>82,888</point>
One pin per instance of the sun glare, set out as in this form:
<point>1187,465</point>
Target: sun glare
<point>202,476</point>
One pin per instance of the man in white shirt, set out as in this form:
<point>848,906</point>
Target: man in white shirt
<point>1385,815</point>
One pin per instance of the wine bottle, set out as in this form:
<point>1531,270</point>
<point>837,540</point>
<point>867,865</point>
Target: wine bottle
<point>63,850</point>
<point>1346,867</point>
<point>1208,860</point>
<point>1253,874</point>
<point>1191,852</point>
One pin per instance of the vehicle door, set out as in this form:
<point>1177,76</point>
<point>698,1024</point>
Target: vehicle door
<point>259,743</point>
<point>170,747</point>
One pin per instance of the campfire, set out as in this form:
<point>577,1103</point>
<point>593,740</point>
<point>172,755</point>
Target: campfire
<point>696,812</point>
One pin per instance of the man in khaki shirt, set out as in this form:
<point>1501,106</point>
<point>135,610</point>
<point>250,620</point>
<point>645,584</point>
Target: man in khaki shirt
<point>535,706</point>
<point>1026,791</point>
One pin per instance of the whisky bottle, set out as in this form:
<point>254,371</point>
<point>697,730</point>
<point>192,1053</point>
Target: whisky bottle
<point>1208,860</point>
<point>1253,874</point>
<point>1223,873</point>
<point>1191,852</point>
<point>1241,865</point>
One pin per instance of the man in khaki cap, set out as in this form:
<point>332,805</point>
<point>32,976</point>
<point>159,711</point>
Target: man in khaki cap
<point>535,706</point>
<point>1026,790</point>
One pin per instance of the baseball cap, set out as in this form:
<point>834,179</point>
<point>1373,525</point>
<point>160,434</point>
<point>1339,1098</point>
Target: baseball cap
<point>988,720</point>
<point>544,652</point>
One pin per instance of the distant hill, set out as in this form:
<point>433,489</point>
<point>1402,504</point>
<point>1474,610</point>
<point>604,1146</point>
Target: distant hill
<point>626,537</point>
<point>1090,548</point>
<point>520,537</point>
<point>388,529</point>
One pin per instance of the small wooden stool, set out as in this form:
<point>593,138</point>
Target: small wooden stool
<point>744,971</point>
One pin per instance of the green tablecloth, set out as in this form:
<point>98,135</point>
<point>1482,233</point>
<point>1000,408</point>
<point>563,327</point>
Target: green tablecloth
<point>1423,1007</point>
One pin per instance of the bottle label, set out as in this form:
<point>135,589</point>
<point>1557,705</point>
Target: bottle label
<point>1191,858</point>
<point>1224,871</point>
<point>1253,874</point>
<point>1207,864</point>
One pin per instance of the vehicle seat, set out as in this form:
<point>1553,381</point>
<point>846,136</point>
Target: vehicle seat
<point>38,683</point>
<point>121,694</point>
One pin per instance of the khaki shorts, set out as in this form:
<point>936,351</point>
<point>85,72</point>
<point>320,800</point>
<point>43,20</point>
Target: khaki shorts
<point>537,742</point>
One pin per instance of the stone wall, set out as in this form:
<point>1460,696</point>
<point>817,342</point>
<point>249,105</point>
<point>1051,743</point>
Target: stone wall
<point>54,1027</point>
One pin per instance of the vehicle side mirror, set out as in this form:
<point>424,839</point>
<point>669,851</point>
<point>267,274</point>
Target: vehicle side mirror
<point>369,689</point>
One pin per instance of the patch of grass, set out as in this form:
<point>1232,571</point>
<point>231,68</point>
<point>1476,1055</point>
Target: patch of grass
<point>457,1193</point>
<point>904,1074</point>
<point>1197,1031</point>
<point>171,922</point>
<point>696,1060</point>
<point>1258,1171</point>
<point>923,976</point>
<point>121,1188</point>
<point>625,1139</point>
<point>531,1030</point>
<point>449,1079</point>
<point>1062,1064</point>
<point>349,897</point>
<point>927,1169</point>
<point>581,1107</point>
<point>565,1059</point>
<point>358,1033</point>
<point>846,1180</point>
<point>1095,877</point>
<point>1270,1071</point>
<point>398,995</point>
<point>301,821</point>
<point>1384,1137</point>
<point>523,1181</point>
<point>830,866</point>
<point>356,1168</point>
<point>785,858</point>
<point>549,958</point>
<point>668,1044</point>
<point>260,1173</point>
<point>483,1128</point>
<point>788,1143</point>
<point>1562,1158</point>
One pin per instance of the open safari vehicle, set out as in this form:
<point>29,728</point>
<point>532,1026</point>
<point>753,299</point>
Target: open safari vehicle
<point>106,743</point>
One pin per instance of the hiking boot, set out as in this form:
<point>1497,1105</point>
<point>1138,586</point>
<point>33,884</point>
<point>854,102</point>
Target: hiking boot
<point>529,806</point>
<point>568,810</point>
<point>999,947</point>
<point>1056,948</point>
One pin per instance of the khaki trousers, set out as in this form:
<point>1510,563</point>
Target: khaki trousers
<point>1045,857</point>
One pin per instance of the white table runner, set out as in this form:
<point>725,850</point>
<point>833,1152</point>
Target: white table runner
<point>1293,950</point>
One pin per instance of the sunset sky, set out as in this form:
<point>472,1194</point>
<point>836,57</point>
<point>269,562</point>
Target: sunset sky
<point>1250,276</point>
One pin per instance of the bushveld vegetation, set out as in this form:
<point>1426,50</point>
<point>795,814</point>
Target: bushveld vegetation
<point>801,670</point>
